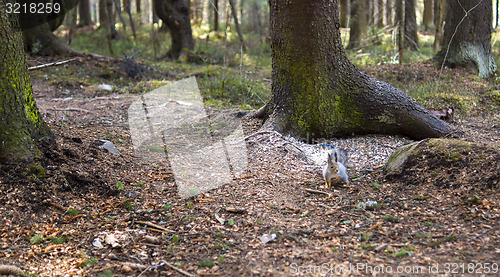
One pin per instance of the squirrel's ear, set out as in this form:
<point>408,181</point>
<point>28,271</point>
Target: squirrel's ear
<point>336,156</point>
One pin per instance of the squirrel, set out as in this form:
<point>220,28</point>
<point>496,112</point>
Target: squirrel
<point>335,170</point>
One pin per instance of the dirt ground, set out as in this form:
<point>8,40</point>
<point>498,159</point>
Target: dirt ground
<point>89,212</point>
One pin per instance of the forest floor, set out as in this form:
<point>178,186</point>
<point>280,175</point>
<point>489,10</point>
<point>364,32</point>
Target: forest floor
<point>89,212</point>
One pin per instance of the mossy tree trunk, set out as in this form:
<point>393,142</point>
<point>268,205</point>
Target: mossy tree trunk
<point>428,15</point>
<point>84,12</point>
<point>319,93</point>
<point>468,41</point>
<point>175,14</point>
<point>20,122</point>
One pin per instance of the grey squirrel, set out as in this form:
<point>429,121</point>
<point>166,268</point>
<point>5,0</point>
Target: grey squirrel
<point>335,170</point>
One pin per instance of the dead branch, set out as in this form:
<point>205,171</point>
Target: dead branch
<point>154,226</point>
<point>69,110</point>
<point>318,192</point>
<point>50,64</point>
<point>178,269</point>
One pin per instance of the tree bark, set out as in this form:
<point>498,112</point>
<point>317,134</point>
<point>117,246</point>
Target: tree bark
<point>410,26</point>
<point>344,13</point>
<point>84,12</point>
<point>439,13</point>
<point>21,125</point>
<point>319,93</point>
<point>388,12</point>
<point>175,14</point>
<point>216,15</point>
<point>359,23</point>
<point>468,41</point>
<point>428,16</point>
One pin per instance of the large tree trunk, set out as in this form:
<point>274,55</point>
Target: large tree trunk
<point>359,23</point>
<point>468,41</point>
<point>410,26</point>
<point>319,93</point>
<point>175,14</point>
<point>20,122</point>
<point>84,12</point>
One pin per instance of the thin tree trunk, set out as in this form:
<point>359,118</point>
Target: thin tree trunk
<point>236,22</point>
<point>216,15</point>
<point>410,26</point>
<point>388,12</point>
<point>439,13</point>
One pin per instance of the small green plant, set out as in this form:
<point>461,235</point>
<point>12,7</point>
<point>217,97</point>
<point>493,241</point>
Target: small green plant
<point>72,211</point>
<point>474,200</point>
<point>230,222</point>
<point>167,207</point>
<point>206,263</point>
<point>221,259</point>
<point>189,204</point>
<point>428,223</point>
<point>392,218</point>
<point>37,239</point>
<point>139,184</point>
<point>119,185</point>
<point>106,273</point>
<point>175,239</point>
<point>376,185</point>
<point>367,247</point>
<point>88,262</point>
<point>128,205</point>
<point>402,253</point>
<point>366,236</point>
<point>58,240</point>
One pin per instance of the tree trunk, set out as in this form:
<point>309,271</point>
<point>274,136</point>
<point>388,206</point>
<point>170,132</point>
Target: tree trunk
<point>359,23</point>
<point>37,31</point>
<point>175,14</point>
<point>21,125</point>
<point>468,41</point>
<point>236,22</point>
<point>319,93</point>
<point>380,13</point>
<point>344,13</point>
<point>138,8</point>
<point>428,16</point>
<point>84,12</point>
<point>410,26</point>
<point>216,15</point>
<point>439,13</point>
<point>388,12</point>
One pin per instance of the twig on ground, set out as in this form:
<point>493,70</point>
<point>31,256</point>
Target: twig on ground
<point>50,64</point>
<point>69,110</point>
<point>154,226</point>
<point>318,192</point>
<point>178,269</point>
